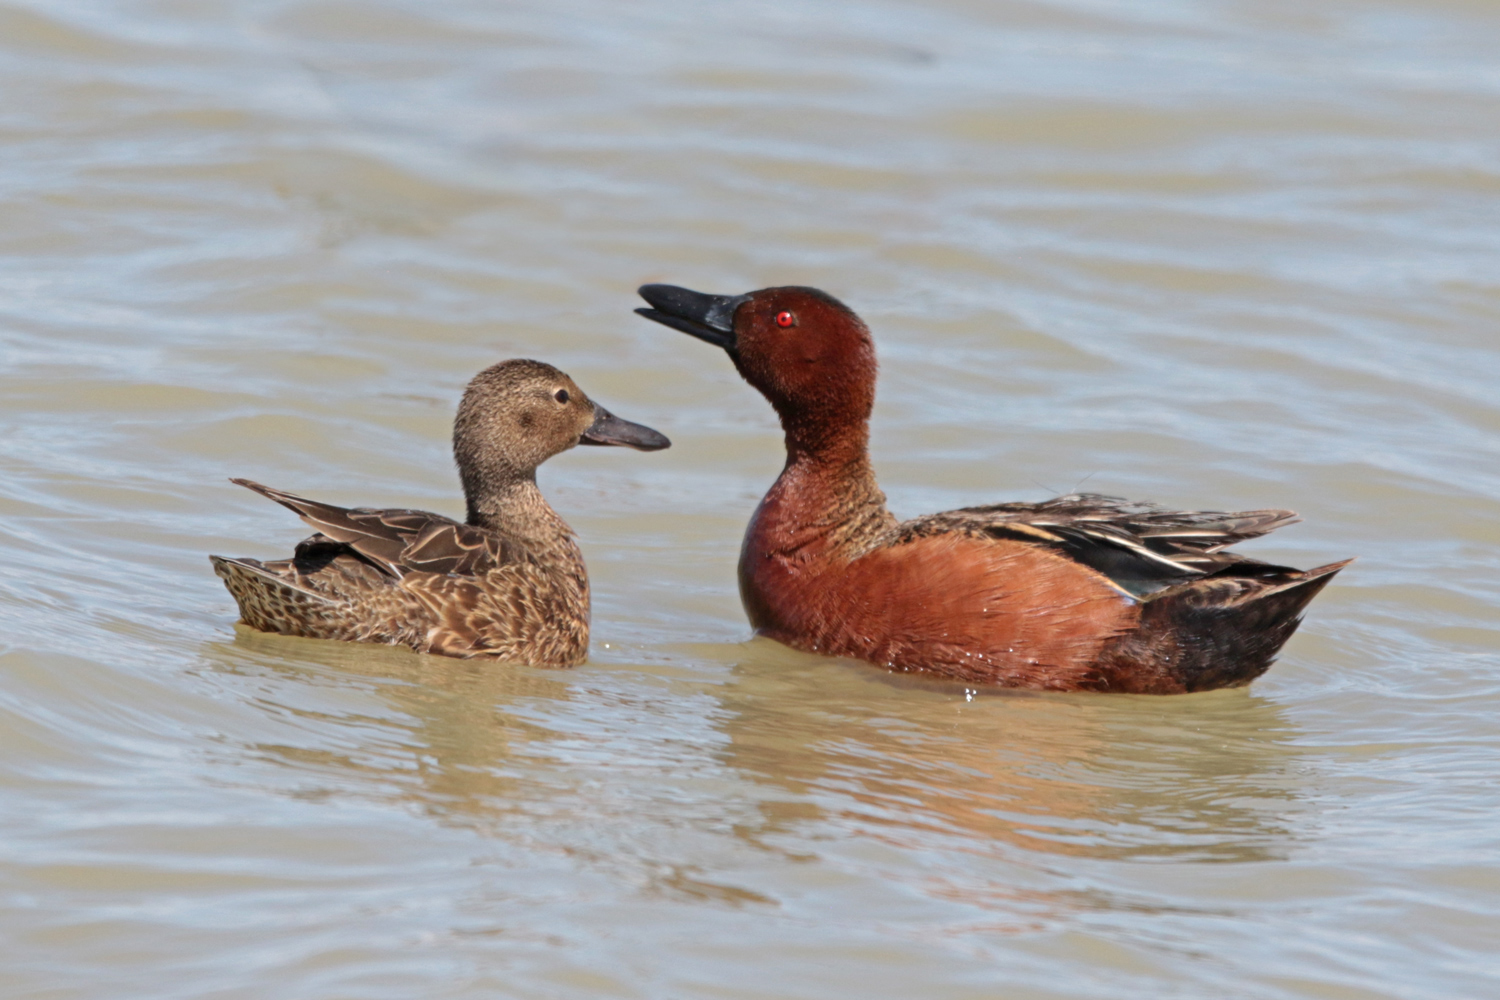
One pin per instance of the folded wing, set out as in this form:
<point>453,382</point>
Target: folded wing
<point>1143,549</point>
<point>396,542</point>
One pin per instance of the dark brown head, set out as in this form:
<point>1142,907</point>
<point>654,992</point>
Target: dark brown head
<point>802,348</point>
<point>517,414</point>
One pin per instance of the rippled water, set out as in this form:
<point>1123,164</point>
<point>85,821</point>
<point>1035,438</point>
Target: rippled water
<point>1216,254</point>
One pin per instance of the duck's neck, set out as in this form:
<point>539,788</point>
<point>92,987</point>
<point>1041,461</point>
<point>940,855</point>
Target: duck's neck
<point>826,499</point>
<point>514,507</point>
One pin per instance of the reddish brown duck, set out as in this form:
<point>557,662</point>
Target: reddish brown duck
<point>508,584</point>
<point>1081,592</point>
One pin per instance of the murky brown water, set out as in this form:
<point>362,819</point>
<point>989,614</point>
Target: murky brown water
<point>1217,254</point>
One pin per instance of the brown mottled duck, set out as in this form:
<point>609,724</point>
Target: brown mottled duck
<point>508,583</point>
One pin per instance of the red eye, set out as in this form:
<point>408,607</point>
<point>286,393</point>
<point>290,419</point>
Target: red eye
<point>785,319</point>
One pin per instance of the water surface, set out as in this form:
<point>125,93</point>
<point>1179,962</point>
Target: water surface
<point>1214,254</point>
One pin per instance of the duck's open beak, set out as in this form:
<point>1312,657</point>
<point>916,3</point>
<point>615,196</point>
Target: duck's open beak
<point>610,429</point>
<point>707,317</point>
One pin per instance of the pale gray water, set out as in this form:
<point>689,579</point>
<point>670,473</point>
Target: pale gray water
<point>1217,254</point>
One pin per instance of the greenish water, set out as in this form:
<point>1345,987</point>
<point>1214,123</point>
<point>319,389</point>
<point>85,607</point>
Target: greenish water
<point>1215,254</point>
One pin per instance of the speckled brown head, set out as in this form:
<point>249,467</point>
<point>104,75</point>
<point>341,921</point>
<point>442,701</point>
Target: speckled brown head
<point>517,414</point>
<point>806,351</point>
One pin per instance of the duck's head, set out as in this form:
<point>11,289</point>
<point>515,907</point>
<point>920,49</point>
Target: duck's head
<point>517,414</point>
<point>806,351</point>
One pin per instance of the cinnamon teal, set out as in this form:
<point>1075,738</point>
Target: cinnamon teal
<point>509,583</point>
<point>1082,592</point>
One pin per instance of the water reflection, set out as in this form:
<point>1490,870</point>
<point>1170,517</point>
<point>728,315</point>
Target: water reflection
<point>1203,777</point>
<point>440,732</point>
<point>850,752</point>
<point>533,757</point>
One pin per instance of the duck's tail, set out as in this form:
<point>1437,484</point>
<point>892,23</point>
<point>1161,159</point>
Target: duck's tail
<point>1215,632</point>
<point>270,598</point>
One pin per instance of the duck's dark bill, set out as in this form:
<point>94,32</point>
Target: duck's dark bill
<point>707,317</point>
<point>610,429</point>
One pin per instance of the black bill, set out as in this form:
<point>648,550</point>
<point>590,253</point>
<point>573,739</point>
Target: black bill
<point>707,317</point>
<point>610,429</point>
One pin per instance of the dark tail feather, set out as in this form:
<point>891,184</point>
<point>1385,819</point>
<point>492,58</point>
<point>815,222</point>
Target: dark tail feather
<point>1308,584</point>
<point>1201,638</point>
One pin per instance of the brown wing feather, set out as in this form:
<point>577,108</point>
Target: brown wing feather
<point>400,541</point>
<point>1141,548</point>
<point>445,546</point>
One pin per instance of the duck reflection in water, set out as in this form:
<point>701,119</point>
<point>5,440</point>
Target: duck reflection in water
<point>916,764</point>
<point>442,734</point>
<point>683,790</point>
<point>508,584</point>
<point>537,760</point>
